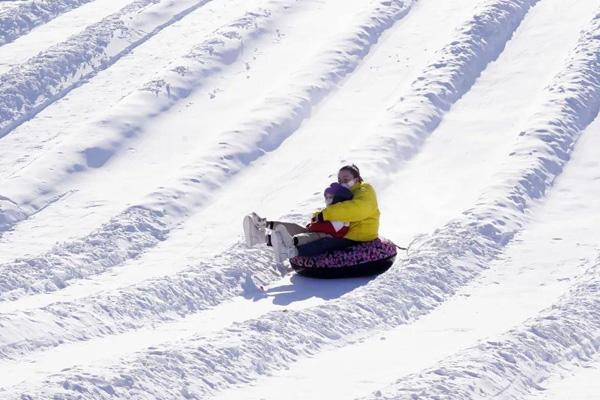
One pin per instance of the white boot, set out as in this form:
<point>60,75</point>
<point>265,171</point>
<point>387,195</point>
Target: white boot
<point>258,221</point>
<point>254,229</point>
<point>283,244</point>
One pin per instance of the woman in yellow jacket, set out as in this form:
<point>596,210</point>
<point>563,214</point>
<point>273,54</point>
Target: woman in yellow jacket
<point>362,212</point>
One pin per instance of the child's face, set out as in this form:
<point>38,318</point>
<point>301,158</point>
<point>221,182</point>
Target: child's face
<point>328,199</point>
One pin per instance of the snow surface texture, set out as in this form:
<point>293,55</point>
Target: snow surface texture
<point>51,74</point>
<point>122,270</point>
<point>26,15</point>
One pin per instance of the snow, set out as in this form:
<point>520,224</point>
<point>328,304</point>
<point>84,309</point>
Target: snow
<point>135,137</point>
<point>52,32</point>
<point>577,384</point>
<point>19,17</point>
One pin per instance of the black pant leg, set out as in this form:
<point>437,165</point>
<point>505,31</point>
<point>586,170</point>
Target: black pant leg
<point>324,245</point>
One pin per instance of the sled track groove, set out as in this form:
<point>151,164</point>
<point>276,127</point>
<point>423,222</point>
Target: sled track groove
<point>21,19</point>
<point>153,301</point>
<point>442,83</point>
<point>29,88</point>
<point>447,260</point>
<point>142,227</point>
<point>515,363</point>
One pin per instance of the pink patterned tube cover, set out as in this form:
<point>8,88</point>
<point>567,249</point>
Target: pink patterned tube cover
<point>365,252</point>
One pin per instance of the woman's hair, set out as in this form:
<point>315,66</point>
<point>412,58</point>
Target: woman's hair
<point>353,169</point>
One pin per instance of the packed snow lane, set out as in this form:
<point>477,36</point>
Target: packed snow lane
<point>513,365</point>
<point>74,114</point>
<point>68,64</point>
<point>58,29</point>
<point>17,18</point>
<point>33,368</point>
<point>481,128</point>
<point>516,363</point>
<point>421,107</point>
<point>107,307</point>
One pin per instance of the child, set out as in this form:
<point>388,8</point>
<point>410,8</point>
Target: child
<point>316,230</point>
<point>335,193</point>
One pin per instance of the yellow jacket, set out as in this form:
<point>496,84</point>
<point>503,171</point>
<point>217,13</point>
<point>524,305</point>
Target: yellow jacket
<point>362,212</point>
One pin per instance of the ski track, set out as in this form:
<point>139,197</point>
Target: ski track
<point>261,342</point>
<point>142,227</point>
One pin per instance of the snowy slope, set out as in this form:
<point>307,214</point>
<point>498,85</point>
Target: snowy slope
<point>135,136</point>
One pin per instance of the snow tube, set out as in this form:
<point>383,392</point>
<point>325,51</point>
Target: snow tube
<point>368,258</point>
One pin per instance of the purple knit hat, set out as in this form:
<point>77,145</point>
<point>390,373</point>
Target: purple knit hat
<point>339,192</point>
